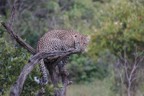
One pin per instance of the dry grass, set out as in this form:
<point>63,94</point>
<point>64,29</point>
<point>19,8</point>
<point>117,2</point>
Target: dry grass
<point>97,88</point>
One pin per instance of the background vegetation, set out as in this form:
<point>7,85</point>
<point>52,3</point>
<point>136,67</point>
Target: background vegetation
<point>116,28</point>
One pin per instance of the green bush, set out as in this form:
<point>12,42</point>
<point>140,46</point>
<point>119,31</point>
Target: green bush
<point>82,68</point>
<point>12,60</point>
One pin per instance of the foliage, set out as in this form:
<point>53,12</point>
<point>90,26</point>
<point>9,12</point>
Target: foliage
<point>121,30</point>
<point>121,33</point>
<point>82,68</point>
<point>115,26</point>
<point>12,60</point>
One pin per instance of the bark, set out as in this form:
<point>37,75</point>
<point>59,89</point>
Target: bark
<point>17,87</point>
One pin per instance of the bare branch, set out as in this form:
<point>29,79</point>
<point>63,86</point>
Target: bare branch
<point>13,13</point>
<point>19,39</point>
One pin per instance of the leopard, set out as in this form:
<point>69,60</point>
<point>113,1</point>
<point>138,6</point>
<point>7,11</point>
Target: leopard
<point>60,40</point>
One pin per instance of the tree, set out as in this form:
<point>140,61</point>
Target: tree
<point>121,32</point>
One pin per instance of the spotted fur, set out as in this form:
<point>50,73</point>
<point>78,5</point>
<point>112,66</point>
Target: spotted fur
<point>60,40</point>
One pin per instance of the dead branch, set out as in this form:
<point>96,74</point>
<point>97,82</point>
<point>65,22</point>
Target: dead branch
<point>129,71</point>
<point>17,87</point>
<point>18,39</point>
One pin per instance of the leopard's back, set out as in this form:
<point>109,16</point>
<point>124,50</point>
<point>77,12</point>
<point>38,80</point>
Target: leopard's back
<point>60,40</point>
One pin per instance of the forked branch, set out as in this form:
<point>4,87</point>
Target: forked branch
<point>18,85</point>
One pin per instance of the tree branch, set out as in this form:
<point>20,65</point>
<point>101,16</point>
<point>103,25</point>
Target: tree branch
<point>19,39</point>
<point>17,87</point>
